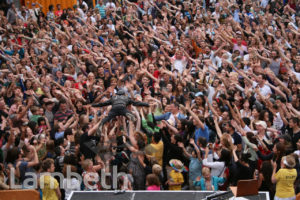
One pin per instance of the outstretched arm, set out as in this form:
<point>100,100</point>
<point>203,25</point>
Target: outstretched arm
<point>106,103</point>
<point>199,123</point>
<point>94,128</point>
<point>192,142</point>
<point>139,103</point>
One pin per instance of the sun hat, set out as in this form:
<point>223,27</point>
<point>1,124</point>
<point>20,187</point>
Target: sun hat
<point>177,165</point>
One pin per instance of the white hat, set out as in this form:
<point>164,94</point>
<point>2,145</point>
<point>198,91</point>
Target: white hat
<point>262,123</point>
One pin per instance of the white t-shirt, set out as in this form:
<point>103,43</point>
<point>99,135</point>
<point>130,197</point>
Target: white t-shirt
<point>241,49</point>
<point>244,113</point>
<point>246,57</point>
<point>277,121</point>
<point>264,3</point>
<point>81,13</point>
<point>211,92</point>
<point>297,75</point>
<point>111,27</point>
<point>70,47</point>
<point>179,64</point>
<point>85,5</point>
<point>172,119</point>
<point>229,56</point>
<point>93,20</point>
<point>297,152</point>
<point>110,5</point>
<point>216,60</point>
<point>70,185</point>
<point>247,129</point>
<point>217,168</point>
<point>265,90</point>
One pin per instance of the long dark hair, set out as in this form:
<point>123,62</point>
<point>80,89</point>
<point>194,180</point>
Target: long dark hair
<point>251,138</point>
<point>280,151</point>
<point>225,157</point>
<point>266,170</point>
<point>262,116</point>
<point>245,157</point>
<point>12,155</point>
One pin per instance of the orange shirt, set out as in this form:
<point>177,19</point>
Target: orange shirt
<point>197,49</point>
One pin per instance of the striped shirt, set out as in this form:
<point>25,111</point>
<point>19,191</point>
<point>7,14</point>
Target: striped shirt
<point>61,116</point>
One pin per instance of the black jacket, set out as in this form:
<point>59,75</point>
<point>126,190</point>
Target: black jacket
<point>120,101</point>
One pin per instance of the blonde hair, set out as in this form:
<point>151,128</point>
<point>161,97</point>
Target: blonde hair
<point>205,170</point>
<point>156,169</point>
<point>86,164</point>
<point>289,161</point>
<point>226,141</point>
<point>140,136</point>
<point>234,76</point>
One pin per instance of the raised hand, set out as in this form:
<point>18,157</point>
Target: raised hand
<point>192,141</point>
<point>180,144</point>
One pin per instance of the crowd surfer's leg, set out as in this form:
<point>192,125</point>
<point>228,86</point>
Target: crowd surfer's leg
<point>130,116</point>
<point>110,116</point>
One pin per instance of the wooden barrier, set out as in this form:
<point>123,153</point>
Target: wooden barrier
<point>298,196</point>
<point>19,194</point>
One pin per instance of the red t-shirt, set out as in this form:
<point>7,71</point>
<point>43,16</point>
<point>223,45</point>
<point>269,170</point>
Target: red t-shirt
<point>58,13</point>
<point>243,42</point>
<point>19,41</point>
<point>156,74</point>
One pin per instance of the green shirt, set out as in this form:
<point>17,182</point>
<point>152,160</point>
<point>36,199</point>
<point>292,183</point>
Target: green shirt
<point>35,118</point>
<point>147,127</point>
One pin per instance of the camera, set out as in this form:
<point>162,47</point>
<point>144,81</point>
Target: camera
<point>119,12</point>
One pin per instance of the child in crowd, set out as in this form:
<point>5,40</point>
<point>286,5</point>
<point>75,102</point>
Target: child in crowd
<point>176,178</point>
<point>157,170</point>
<point>208,182</point>
<point>152,182</point>
<point>48,184</point>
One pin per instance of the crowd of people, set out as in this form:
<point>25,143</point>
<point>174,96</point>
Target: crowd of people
<point>218,81</point>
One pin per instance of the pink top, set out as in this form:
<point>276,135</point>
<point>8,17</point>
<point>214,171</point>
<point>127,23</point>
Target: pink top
<point>153,187</point>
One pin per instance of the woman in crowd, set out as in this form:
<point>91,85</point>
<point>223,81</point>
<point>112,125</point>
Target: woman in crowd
<point>285,178</point>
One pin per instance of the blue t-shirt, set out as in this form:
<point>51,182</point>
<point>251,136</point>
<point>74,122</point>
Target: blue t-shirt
<point>11,53</point>
<point>202,133</point>
<point>195,168</point>
<point>24,169</point>
<point>215,181</point>
<point>59,135</point>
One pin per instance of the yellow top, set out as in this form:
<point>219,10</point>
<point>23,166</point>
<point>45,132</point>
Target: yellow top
<point>49,185</point>
<point>39,91</point>
<point>285,183</point>
<point>159,150</point>
<point>176,177</point>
